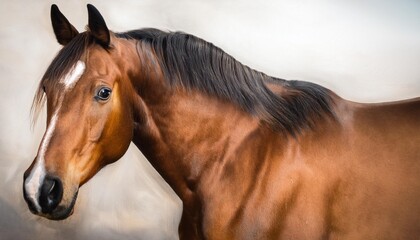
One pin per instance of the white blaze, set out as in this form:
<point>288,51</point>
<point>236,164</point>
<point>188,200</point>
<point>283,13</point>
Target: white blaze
<point>74,75</point>
<point>36,177</point>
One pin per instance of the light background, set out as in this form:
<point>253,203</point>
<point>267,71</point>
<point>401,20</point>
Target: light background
<point>366,51</point>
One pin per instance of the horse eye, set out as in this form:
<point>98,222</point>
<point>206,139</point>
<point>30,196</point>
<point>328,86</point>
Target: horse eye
<point>103,93</point>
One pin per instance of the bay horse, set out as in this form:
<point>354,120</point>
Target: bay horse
<point>250,156</point>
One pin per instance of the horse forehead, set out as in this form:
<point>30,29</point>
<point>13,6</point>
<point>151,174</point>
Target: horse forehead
<point>99,62</point>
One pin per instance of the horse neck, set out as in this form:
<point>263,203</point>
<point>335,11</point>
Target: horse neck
<point>186,134</point>
<point>183,132</point>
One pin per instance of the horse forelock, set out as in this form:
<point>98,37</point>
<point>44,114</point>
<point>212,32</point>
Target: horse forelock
<point>54,77</point>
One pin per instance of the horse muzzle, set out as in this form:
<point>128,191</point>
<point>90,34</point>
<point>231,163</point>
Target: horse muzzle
<point>44,196</point>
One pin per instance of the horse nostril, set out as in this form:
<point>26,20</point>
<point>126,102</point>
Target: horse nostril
<point>51,194</point>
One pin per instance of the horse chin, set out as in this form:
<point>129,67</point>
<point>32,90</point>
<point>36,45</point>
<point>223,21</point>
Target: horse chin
<point>62,212</point>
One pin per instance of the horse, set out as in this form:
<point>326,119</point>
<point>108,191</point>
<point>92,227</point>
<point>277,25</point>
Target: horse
<point>251,156</point>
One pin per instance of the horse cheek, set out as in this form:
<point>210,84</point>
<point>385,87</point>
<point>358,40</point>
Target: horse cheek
<point>119,131</point>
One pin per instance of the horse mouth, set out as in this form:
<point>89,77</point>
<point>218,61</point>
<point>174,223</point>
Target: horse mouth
<point>61,212</point>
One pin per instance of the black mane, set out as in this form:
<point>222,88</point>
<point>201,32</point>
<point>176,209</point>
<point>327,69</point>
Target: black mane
<point>193,63</point>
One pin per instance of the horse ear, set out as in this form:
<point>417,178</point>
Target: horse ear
<point>63,30</point>
<point>97,26</point>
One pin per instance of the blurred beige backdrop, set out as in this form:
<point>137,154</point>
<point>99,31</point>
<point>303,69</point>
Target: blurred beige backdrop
<point>366,51</point>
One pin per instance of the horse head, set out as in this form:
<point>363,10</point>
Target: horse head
<point>89,124</point>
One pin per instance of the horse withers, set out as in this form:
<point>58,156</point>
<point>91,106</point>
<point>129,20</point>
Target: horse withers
<point>250,156</point>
